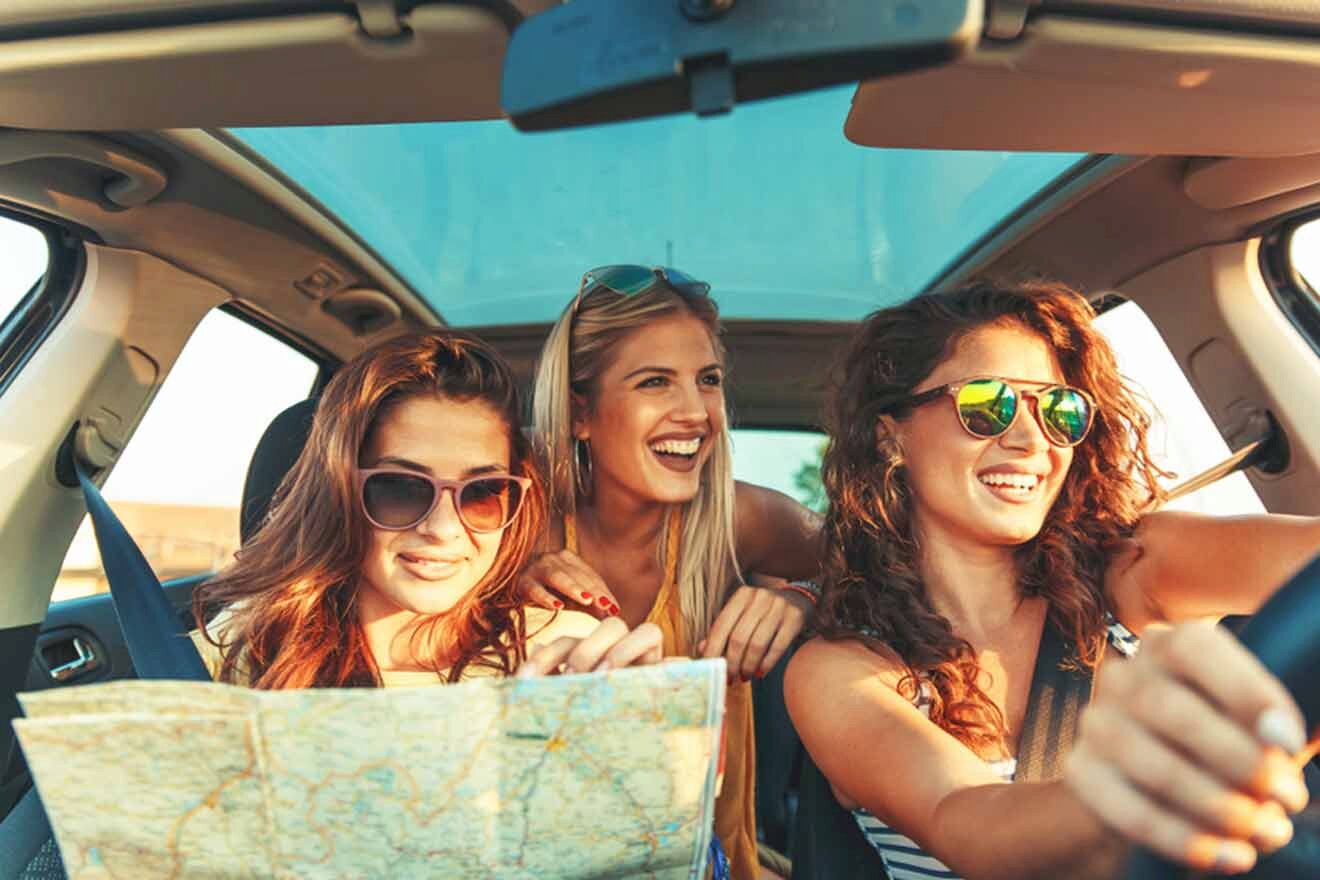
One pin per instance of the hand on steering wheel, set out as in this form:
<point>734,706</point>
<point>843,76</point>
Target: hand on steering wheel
<point>1185,749</point>
<point>1285,636</point>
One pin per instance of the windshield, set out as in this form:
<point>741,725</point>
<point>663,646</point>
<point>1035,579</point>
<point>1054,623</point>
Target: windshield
<point>770,204</point>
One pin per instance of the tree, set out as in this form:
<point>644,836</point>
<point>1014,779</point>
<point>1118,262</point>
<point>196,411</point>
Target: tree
<point>811,491</point>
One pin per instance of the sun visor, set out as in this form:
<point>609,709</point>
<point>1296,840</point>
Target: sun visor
<point>363,64</point>
<point>1070,83</point>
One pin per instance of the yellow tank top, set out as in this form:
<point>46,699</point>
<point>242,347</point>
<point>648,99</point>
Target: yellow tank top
<point>735,808</point>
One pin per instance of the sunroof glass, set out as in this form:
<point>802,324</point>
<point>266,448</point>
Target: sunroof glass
<point>770,204</point>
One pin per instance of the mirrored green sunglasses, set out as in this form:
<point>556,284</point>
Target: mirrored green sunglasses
<point>988,406</point>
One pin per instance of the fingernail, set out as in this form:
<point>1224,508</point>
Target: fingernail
<point>603,666</point>
<point>1234,857</point>
<point>604,602</point>
<point>1273,829</point>
<point>1289,790</point>
<point>760,673</point>
<point>586,595</point>
<point>1279,727</point>
<point>525,671</point>
<point>558,604</point>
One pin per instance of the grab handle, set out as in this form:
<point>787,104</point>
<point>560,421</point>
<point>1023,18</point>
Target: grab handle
<point>136,182</point>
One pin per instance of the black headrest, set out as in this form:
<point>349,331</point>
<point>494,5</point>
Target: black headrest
<point>274,456</point>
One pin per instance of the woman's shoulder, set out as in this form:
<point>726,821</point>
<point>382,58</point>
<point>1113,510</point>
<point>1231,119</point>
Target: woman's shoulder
<point>821,664</point>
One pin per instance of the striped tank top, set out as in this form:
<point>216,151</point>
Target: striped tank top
<point>904,859</point>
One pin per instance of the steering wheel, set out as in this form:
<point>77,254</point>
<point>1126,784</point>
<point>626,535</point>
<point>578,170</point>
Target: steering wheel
<point>1285,635</point>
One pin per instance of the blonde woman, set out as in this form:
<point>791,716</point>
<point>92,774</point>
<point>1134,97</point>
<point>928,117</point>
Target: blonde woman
<point>647,522</point>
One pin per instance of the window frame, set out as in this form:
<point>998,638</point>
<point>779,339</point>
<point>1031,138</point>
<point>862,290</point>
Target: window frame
<point>325,364</point>
<point>1296,297</point>
<point>24,329</point>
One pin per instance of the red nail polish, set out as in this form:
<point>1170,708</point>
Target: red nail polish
<point>586,595</point>
<point>558,604</point>
<point>604,602</point>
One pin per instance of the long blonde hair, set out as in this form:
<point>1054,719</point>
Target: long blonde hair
<point>579,349</point>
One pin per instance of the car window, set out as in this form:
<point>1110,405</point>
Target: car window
<point>1183,437</point>
<point>179,483</point>
<point>785,460</point>
<point>1304,254</point>
<point>24,256</point>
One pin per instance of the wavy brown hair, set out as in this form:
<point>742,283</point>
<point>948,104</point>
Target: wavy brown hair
<point>291,595</point>
<point>873,587</point>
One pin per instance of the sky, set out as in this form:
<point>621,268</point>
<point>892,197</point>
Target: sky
<point>23,255</point>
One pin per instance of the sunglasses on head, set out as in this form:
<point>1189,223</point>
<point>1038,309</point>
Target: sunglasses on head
<point>987,406</point>
<point>627,280</point>
<point>396,499</point>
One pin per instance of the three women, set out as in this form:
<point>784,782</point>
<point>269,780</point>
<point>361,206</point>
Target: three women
<point>986,475</point>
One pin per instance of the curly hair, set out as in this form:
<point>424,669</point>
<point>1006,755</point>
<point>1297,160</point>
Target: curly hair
<point>873,588</point>
<point>291,595</point>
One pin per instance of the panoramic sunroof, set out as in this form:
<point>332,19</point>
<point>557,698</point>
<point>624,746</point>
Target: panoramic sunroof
<point>770,204</point>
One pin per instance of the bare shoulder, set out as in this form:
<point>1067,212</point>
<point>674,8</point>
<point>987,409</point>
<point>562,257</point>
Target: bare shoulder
<point>544,626</point>
<point>775,530</point>
<point>821,666</point>
<point>758,502</point>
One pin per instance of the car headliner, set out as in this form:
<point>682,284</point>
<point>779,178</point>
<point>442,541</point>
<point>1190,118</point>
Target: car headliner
<point>770,203</point>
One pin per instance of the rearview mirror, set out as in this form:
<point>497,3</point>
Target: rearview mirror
<point>592,61</point>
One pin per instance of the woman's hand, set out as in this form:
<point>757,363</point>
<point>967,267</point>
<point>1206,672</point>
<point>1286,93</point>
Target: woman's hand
<point>755,628</point>
<point>1187,749</point>
<point>566,574</point>
<point>610,646</point>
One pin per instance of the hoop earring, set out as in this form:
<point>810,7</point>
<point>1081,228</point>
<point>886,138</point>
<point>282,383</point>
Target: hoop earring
<point>582,466</point>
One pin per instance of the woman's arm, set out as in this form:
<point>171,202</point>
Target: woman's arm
<point>776,536</point>
<point>778,540</point>
<point>1183,749</point>
<point>1190,565</point>
<point>880,752</point>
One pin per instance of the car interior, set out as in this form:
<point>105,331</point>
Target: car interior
<point>166,152</point>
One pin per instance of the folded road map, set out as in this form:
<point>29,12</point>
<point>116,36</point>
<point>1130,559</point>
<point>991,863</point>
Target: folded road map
<point>604,775</point>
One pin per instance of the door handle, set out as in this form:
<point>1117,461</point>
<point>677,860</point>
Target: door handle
<point>83,658</point>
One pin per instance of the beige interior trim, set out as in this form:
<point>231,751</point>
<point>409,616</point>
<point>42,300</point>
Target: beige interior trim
<point>1217,184</point>
<point>104,360</point>
<point>217,151</point>
<point>1241,353</point>
<point>1088,85</point>
<point>304,69</point>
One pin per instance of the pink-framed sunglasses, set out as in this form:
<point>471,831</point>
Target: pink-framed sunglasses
<point>397,499</point>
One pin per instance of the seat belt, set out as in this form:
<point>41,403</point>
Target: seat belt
<point>1054,707</point>
<point>156,638</point>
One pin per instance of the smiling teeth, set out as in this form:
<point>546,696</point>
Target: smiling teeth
<point>1011,481</point>
<point>677,447</point>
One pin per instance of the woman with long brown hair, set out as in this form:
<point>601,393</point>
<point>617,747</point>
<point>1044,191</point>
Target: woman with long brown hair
<point>391,550</point>
<point>987,475</point>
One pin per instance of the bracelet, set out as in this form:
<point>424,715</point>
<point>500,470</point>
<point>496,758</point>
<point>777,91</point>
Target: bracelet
<point>805,588</point>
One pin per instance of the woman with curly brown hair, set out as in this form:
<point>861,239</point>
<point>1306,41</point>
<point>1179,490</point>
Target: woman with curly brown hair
<point>987,475</point>
<point>392,547</point>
